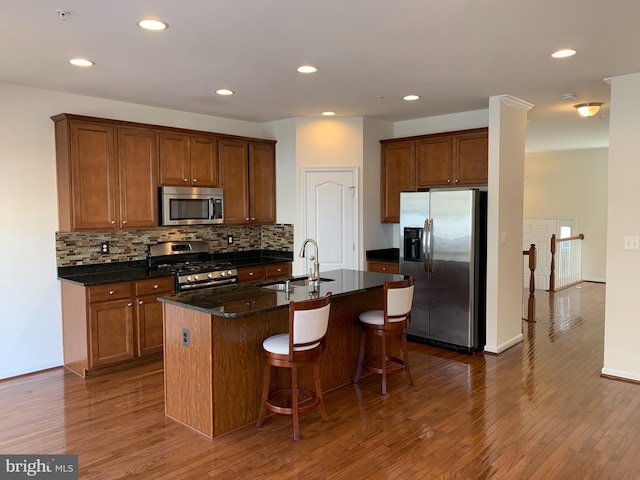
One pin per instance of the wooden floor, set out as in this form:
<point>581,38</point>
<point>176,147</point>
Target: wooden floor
<point>538,411</point>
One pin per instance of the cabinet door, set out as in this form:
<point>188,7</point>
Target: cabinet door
<point>110,332</point>
<point>434,158</point>
<point>204,161</point>
<point>398,174</point>
<point>174,159</point>
<point>277,270</point>
<point>234,178</point>
<point>383,267</point>
<point>138,177</point>
<point>93,176</point>
<point>262,182</point>
<point>150,314</point>
<point>471,159</point>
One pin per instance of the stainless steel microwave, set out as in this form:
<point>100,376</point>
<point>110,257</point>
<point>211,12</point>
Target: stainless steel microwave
<point>191,206</point>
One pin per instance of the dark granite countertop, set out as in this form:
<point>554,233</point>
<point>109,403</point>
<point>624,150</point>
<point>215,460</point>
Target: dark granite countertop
<point>391,255</point>
<point>248,299</point>
<point>99,274</point>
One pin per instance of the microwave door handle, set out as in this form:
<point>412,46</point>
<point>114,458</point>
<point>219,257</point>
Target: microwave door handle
<point>212,209</point>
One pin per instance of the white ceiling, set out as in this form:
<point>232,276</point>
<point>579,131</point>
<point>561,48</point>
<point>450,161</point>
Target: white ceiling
<point>454,53</point>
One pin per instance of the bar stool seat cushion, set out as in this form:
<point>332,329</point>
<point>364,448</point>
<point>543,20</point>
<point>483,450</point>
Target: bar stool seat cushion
<point>279,344</point>
<point>376,317</point>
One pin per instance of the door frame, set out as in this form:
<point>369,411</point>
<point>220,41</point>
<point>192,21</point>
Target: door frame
<point>304,171</point>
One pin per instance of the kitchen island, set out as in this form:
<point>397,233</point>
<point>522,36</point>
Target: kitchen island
<point>213,360</point>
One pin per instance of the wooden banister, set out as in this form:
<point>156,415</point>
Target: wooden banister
<point>554,242</point>
<point>531,303</point>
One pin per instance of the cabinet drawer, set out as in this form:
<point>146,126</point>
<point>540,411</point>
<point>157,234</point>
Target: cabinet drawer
<point>112,291</point>
<point>383,267</point>
<point>276,270</point>
<point>251,274</point>
<point>155,285</point>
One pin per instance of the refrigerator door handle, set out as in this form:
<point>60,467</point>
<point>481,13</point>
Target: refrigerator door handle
<point>427,246</point>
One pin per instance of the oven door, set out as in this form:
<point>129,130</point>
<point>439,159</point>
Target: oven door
<point>190,206</point>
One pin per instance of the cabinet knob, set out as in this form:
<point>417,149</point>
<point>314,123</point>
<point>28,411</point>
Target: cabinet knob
<point>457,180</point>
<point>184,180</point>
<point>448,180</point>
<point>279,270</point>
<point>251,274</point>
<point>140,302</point>
<point>124,222</point>
<point>156,286</point>
<point>129,304</point>
<point>384,269</point>
<point>111,292</point>
<point>113,222</point>
<point>253,219</point>
<point>195,180</point>
<point>246,219</point>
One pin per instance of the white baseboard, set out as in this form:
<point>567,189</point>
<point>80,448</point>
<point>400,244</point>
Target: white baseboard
<point>504,346</point>
<point>594,279</point>
<point>621,375</point>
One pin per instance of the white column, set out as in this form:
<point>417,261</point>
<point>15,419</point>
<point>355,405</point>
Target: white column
<point>622,328</point>
<point>507,130</point>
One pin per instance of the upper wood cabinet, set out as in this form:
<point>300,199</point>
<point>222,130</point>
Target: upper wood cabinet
<point>247,175</point>
<point>439,160</point>
<point>107,175</point>
<point>188,160</point>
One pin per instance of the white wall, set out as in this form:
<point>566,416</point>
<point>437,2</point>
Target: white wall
<point>30,320</point>
<point>622,303</point>
<point>441,123</point>
<point>572,184</point>
<point>507,129</point>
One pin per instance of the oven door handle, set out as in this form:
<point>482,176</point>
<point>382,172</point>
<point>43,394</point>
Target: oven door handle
<point>207,284</point>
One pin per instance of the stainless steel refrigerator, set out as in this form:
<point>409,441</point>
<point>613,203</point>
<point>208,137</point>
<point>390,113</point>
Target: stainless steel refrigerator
<point>443,245</point>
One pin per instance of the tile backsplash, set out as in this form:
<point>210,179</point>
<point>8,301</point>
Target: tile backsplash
<point>83,248</point>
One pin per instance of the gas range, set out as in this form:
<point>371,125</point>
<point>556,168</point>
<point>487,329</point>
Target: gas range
<point>191,264</point>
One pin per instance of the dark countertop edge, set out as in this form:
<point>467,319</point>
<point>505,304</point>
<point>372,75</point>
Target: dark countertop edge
<point>171,299</point>
<point>104,273</point>
<point>391,255</point>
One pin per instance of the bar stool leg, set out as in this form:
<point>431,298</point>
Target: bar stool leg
<point>405,352</point>
<point>363,336</point>
<point>323,412</point>
<point>384,365</point>
<point>265,394</point>
<point>294,402</point>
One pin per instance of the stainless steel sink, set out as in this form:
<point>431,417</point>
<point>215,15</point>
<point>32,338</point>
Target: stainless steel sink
<point>281,285</point>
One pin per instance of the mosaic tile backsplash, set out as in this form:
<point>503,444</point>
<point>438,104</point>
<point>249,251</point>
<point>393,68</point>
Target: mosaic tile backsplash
<point>83,248</point>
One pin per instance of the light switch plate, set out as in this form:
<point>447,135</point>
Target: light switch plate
<point>631,243</point>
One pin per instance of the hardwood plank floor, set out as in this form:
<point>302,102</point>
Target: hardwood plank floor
<point>538,411</point>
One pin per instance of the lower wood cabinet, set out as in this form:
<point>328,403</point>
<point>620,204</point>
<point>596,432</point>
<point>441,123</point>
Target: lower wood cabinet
<point>383,267</point>
<point>257,273</point>
<point>112,324</point>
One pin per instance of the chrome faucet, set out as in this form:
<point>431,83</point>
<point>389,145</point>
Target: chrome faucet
<point>314,276</point>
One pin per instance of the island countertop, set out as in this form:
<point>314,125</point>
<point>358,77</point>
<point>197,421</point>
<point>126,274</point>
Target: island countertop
<point>243,300</point>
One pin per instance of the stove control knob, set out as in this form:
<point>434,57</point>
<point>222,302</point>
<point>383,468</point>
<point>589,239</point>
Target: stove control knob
<point>189,278</point>
<point>195,277</point>
<point>223,274</point>
<point>230,273</point>
<point>210,275</point>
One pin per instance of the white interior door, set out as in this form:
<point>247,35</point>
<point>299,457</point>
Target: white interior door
<point>538,231</point>
<point>331,215</point>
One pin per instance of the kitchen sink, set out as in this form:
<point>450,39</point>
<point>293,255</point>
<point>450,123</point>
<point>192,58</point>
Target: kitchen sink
<point>280,285</point>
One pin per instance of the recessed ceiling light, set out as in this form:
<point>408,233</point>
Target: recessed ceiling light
<point>410,98</point>
<point>564,53</point>
<point>81,62</point>
<point>150,24</point>
<point>307,69</point>
<point>328,114</point>
<point>224,91</point>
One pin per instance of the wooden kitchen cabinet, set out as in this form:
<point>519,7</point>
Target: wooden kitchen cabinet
<point>188,160</point>
<point>256,273</point>
<point>383,267</point>
<point>439,160</point>
<point>247,175</point>
<point>107,174</point>
<point>108,326</point>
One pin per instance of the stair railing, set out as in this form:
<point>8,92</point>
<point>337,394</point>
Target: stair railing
<point>566,262</point>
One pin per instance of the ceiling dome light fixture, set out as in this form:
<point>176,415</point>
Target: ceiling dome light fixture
<point>588,109</point>
<point>81,62</point>
<point>307,69</point>
<point>225,91</point>
<point>154,25</point>
<point>564,53</point>
<point>328,114</point>
<point>411,98</point>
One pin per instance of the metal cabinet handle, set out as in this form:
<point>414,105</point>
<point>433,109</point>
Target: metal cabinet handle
<point>250,274</point>
<point>156,286</point>
<point>124,222</point>
<point>140,302</point>
<point>113,222</point>
<point>129,304</point>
